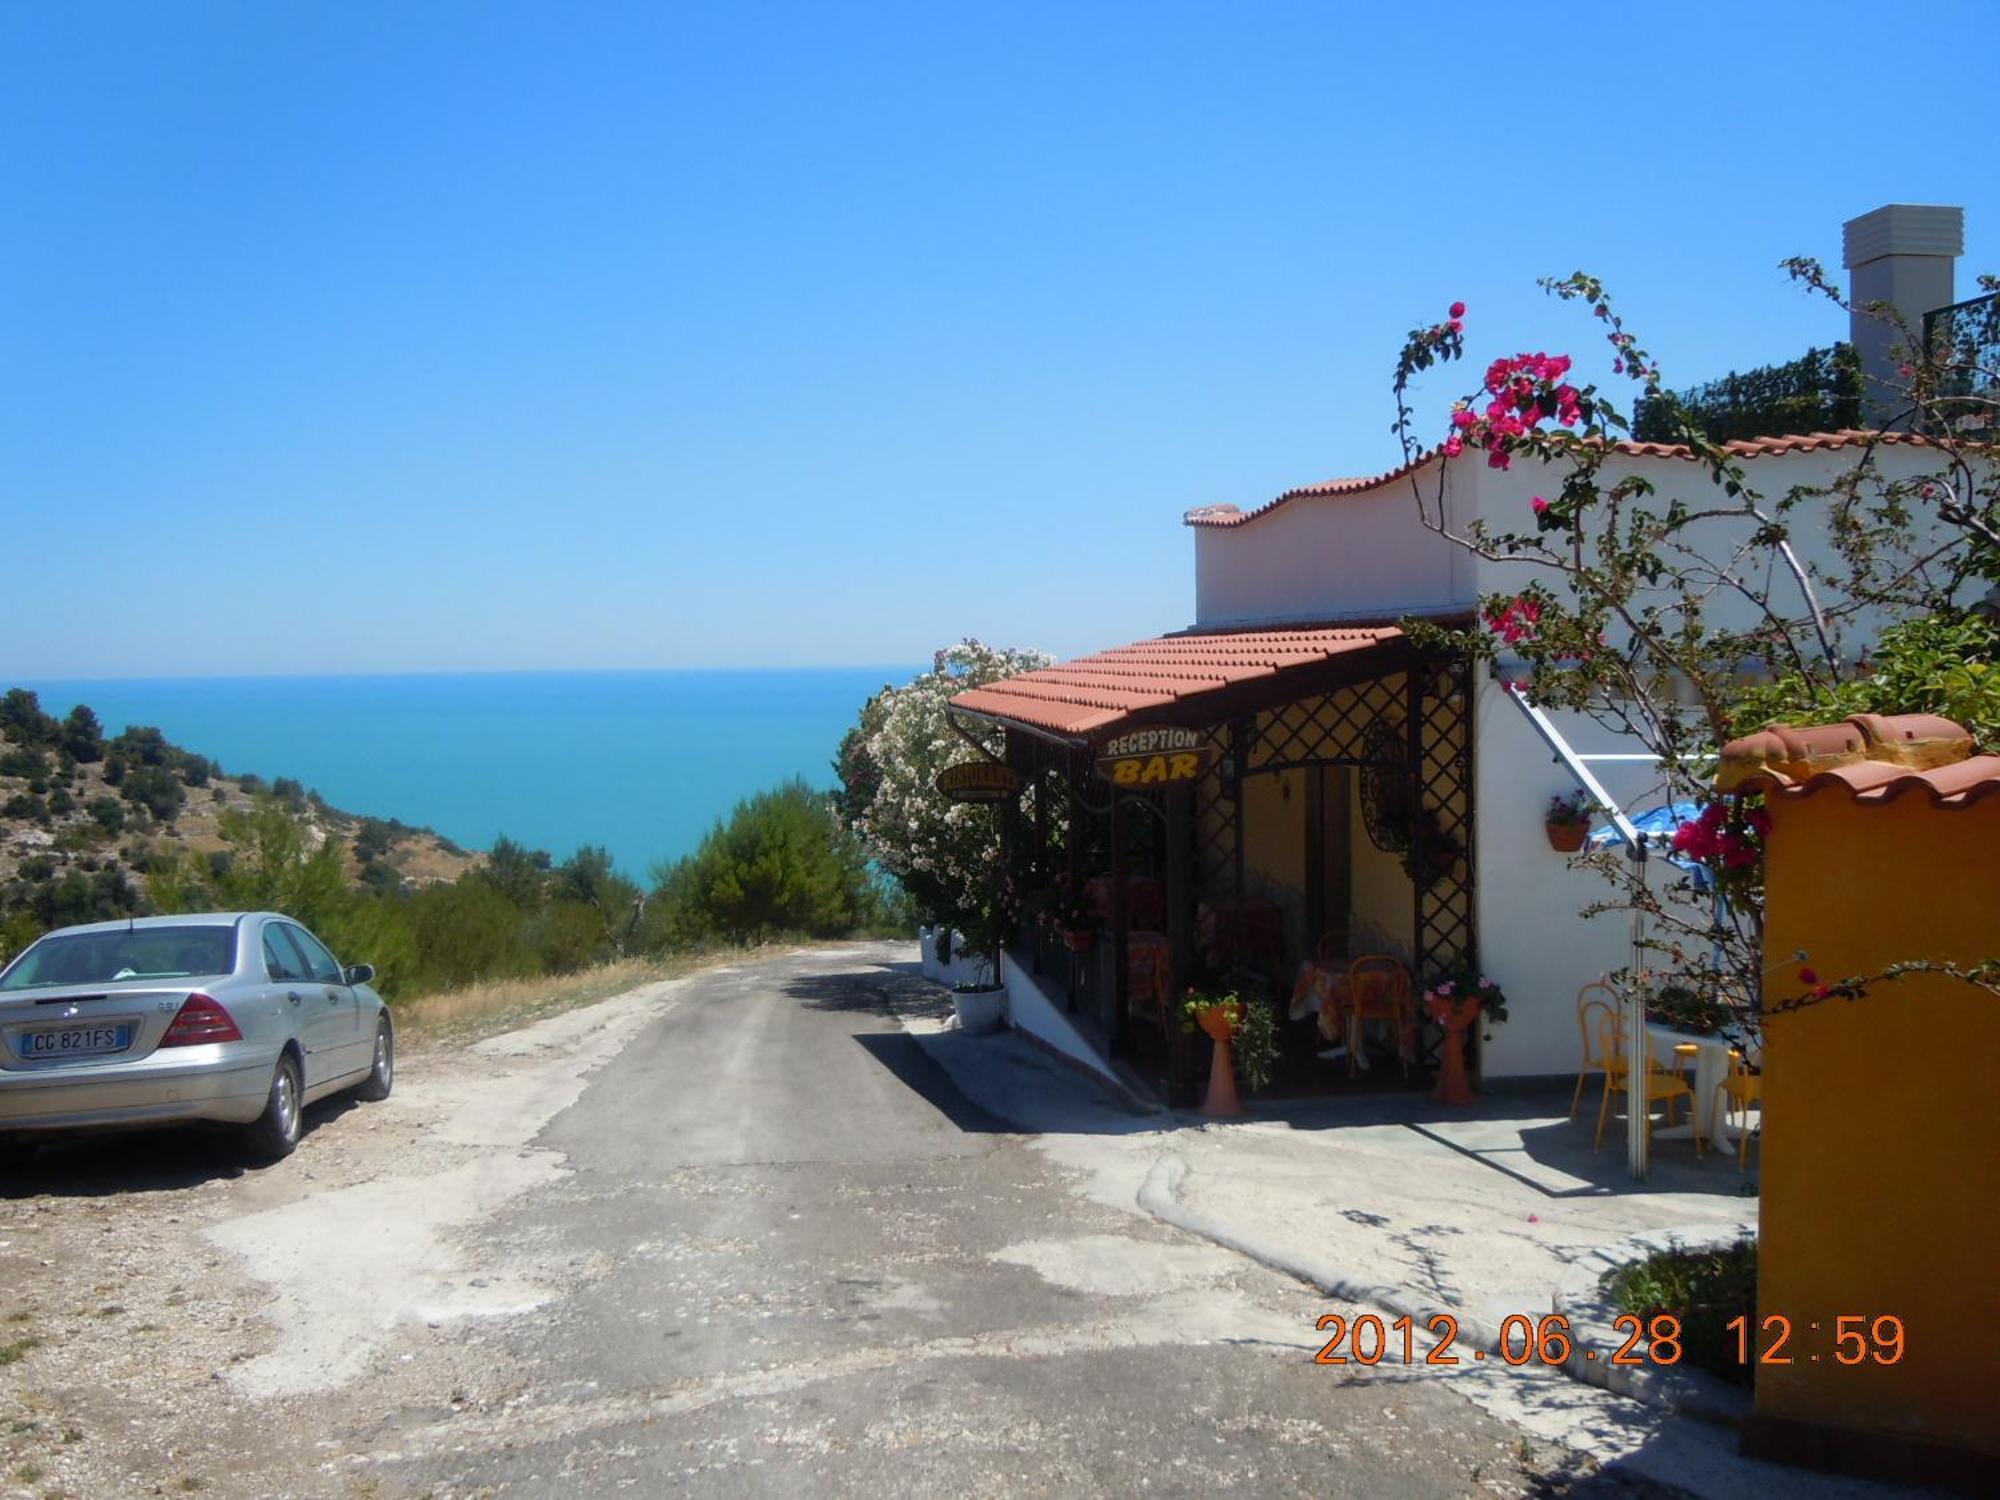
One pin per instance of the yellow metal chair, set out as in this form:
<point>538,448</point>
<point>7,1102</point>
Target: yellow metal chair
<point>1378,989</point>
<point>1595,997</point>
<point>1741,1088</point>
<point>1661,1087</point>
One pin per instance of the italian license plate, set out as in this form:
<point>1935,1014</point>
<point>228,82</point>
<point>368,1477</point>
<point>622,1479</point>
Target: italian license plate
<point>75,1041</point>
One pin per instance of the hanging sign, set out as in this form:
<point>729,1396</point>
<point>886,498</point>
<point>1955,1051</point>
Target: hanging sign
<point>979,781</point>
<point>1156,757</point>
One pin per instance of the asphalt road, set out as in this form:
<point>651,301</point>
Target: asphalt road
<point>804,1264</point>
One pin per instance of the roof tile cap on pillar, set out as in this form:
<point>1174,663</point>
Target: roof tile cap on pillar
<point>1873,757</point>
<point>1903,229</point>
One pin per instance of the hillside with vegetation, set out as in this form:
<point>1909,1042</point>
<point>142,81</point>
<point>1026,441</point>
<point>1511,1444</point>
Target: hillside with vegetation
<point>96,827</point>
<point>88,820</point>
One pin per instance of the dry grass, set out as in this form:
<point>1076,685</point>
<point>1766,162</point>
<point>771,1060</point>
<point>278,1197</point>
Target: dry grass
<point>482,1010</point>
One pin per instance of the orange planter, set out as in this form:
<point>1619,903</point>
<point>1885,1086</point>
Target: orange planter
<point>1456,1017</point>
<point>1219,1021</point>
<point>1567,838</point>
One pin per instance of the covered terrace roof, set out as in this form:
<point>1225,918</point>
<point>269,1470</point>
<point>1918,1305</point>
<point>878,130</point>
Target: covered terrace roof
<point>1192,678</point>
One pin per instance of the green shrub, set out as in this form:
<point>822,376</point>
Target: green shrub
<point>156,789</point>
<point>108,812</point>
<point>1704,1289</point>
<point>782,863</point>
<point>25,761</point>
<point>517,872</point>
<point>83,736</point>
<point>25,807</point>
<point>373,839</point>
<point>22,721</point>
<point>465,931</point>
<point>142,745</point>
<point>570,935</point>
<point>1820,391</point>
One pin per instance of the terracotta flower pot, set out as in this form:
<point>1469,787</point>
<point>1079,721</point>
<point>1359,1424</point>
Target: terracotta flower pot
<point>1567,838</point>
<point>1456,1017</point>
<point>1219,1021</point>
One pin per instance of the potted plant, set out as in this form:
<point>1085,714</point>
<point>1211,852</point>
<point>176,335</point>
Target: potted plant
<point>1245,1033</point>
<point>980,1003</point>
<point>1568,822</point>
<point>1686,1007</point>
<point>1457,1001</point>
<point>1070,914</point>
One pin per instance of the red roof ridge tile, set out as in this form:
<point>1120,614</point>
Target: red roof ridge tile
<point>1875,758</point>
<point>1087,695</point>
<point>1226,515</point>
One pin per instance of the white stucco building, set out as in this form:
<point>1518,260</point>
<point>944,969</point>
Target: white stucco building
<point>1318,708</point>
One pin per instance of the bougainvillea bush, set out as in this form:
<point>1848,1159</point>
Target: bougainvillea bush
<point>1684,620</point>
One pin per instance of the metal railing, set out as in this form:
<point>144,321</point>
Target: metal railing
<point>1962,344</point>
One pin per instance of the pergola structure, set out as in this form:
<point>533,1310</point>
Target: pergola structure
<point>1260,703</point>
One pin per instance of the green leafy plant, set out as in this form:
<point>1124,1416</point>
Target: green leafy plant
<point>1253,1031</point>
<point>1820,391</point>
<point>1569,811</point>
<point>1705,1290</point>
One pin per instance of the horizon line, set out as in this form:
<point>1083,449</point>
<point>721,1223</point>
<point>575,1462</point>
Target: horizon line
<point>8,680</point>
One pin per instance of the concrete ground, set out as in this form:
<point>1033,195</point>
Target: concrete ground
<point>778,1229</point>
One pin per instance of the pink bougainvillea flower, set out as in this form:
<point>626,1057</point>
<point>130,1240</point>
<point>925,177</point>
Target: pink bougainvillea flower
<point>1452,447</point>
<point>1456,326</point>
<point>1807,976</point>
<point>1458,309</point>
<point>1538,505</point>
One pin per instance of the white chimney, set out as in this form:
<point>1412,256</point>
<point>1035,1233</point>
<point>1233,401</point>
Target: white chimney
<point>1902,255</point>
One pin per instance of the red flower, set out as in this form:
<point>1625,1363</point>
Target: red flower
<point>1806,976</point>
<point>1538,505</point>
<point>1456,326</point>
<point>1458,309</point>
<point>1452,447</point>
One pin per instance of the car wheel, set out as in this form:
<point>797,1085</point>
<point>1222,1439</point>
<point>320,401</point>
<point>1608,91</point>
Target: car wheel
<point>18,1157</point>
<point>382,1077</point>
<point>275,1134</point>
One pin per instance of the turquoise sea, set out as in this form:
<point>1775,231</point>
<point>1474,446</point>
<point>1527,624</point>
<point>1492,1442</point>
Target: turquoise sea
<point>640,762</point>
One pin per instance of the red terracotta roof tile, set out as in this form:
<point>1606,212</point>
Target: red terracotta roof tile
<point>1092,693</point>
<point>1873,758</point>
<point>1810,442</point>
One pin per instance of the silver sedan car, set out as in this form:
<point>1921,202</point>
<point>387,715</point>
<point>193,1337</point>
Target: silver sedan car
<point>242,1018</point>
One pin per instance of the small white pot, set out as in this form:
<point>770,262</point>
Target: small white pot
<point>979,1011</point>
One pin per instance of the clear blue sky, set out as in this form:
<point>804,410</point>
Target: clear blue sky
<point>387,336</point>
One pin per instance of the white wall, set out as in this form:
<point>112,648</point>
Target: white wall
<point>1532,941</point>
<point>1039,1014</point>
<point>1321,557</point>
<point>1368,556</point>
<point>1504,498</point>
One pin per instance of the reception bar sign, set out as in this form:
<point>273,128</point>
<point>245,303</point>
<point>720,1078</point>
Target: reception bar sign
<point>1156,757</point>
<point>979,781</point>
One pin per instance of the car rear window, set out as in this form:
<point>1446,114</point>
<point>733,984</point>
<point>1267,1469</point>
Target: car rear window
<point>137,953</point>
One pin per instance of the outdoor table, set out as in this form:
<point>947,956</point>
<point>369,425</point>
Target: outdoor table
<point>1321,992</point>
<point>1711,1066</point>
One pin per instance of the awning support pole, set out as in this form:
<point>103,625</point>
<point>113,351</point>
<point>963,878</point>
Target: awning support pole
<point>1638,1053</point>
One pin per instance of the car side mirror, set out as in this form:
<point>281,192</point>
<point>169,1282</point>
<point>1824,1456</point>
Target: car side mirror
<point>360,973</point>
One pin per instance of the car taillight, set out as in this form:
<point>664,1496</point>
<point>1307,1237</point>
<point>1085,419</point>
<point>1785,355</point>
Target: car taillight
<point>200,1020</point>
